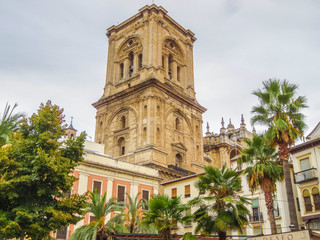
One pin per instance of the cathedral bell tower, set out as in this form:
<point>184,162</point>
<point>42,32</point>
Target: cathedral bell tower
<point>148,113</point>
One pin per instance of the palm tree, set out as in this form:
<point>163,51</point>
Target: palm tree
<point>9,123</point>
<point>134,213</point>
<point>264,171</point>
<point>98,229</point>
<point>164,213</point>
<point>280,111</point>
<point>222,208</point>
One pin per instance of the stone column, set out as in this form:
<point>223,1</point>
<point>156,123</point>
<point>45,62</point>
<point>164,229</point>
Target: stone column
<point>174,70</point>
<point>135,63</point>
<point>109,193</point>
<point>166,65</point>
<point>126,68</point>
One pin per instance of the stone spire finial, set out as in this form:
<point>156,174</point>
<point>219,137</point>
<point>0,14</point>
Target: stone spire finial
<point>222,129</point>
<point>222,123</point>
<point>208,130</point>
<point>242,125</point>
<point>230,125</point>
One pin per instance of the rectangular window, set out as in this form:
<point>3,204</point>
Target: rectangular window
<point>62,234</point>
<point>187,191</point>
<point>97,187</point>
<point>145,196</point>
<point>173,192</point>
<point>121,193</point>
<point>298,204</point>
<point>255,210</point>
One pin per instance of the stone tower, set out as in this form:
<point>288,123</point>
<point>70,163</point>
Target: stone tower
<point>148,113</point>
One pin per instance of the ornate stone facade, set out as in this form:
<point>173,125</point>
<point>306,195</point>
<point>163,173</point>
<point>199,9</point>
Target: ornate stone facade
<point>225,147</point>
<point>148,113</point>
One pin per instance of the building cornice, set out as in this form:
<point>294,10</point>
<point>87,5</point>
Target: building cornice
<point>153,82</point>
<point>117,170</point>
<point>306,145</point>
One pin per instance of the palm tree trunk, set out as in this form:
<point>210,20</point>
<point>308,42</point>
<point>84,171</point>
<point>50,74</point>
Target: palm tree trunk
<point>269,203</point>
<point>222,235</point>
<point>21,235</point>
<point>166,233</point>
<point>284,156</point>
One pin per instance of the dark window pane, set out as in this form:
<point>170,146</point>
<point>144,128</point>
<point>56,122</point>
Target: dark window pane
<point>97,187</point>
<point>121,193</point>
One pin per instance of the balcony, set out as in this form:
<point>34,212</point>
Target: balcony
<point>255,217</point>
<point>306,175</point>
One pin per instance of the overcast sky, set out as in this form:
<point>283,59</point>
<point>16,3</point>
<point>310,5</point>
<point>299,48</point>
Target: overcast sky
<point>58,49</point>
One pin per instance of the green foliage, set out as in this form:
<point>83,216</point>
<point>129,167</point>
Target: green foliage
<point>35,173</point>
<point>9,123</point>
<point>280,111</point>
<point>164,213</point>
<point>263,165</point>
<point>263,170</point>
<point>133,215</point>
<point>98,229</point>
<point>222,209</point>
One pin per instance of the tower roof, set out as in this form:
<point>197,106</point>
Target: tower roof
<point>147,10</point>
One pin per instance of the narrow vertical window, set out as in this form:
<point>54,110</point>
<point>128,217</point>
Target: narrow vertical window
<point>130,64</point>
<point>316,198</point>
<point>96,187</point>
<point>121,71</point>
<point>307,201</point>
<point>178,160</point>
<point>187,191</point>
<point>145,196</point>
<point>123,122</point>
<point>121,193</point>
<point>122,147</point>
<point>173,192</point>
<point>178,74</point>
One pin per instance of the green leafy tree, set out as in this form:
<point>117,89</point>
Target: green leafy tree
<point>222,209</point>
<point>164,213</point>
<point>263,170</point>
<point>35,173</point>
<point>99,229</point>
<point>280,110</point>
<point>9,123</point>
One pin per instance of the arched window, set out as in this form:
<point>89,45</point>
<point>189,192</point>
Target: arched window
<point>234,153</point>
<point>316,198</point>
<point>178,160</point>
<point>144,135</point>
<point>145,110</point>
<point>178,124</point>
<point>122,146</point>
<point>158,111</point>
<point>123,122</point>
<point>307,201</point>
<point>130,64</point>
<point>158,136</point>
